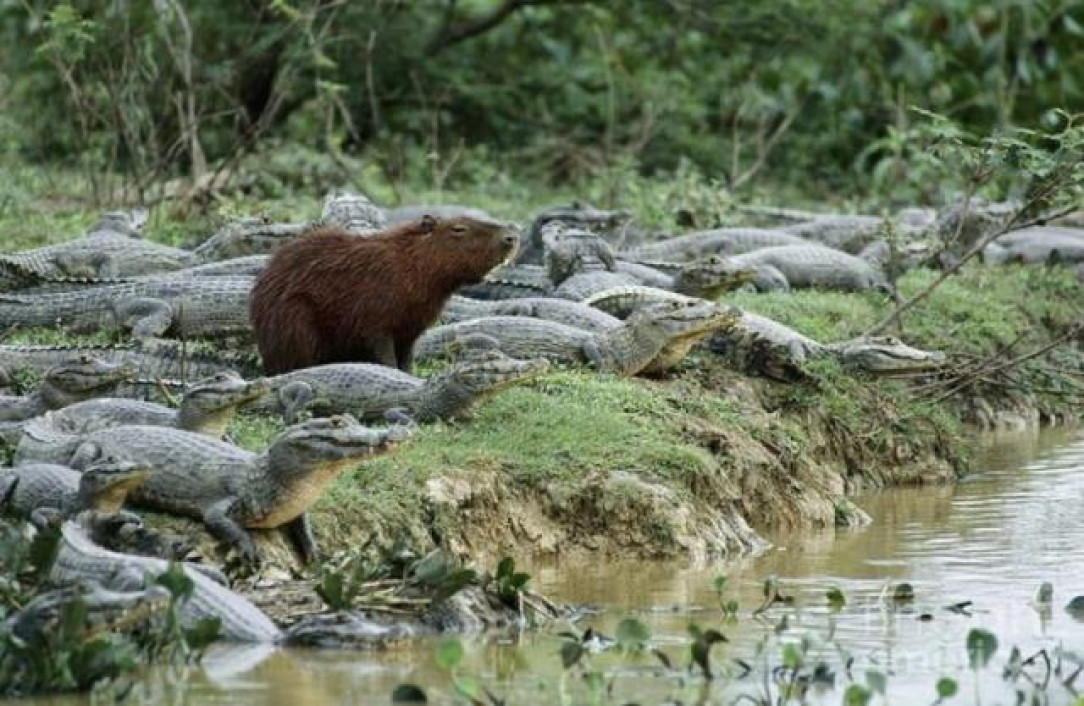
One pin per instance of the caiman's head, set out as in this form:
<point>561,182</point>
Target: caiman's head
<point>209,405</point>
<point>103,611</point>
<point>692,318</point>
<point>352,211</point>
<point>568,251</point>
<point>887,356</point>
<point>105,484</point>
<point>485,371</point>
<point>711,276</point>
<point>328,440</point>
<point>575,215</point>
<point>83,377</point>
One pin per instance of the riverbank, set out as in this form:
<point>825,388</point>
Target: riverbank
<point>698,464</point>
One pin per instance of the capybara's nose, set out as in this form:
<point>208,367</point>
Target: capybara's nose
<point>510,239</point>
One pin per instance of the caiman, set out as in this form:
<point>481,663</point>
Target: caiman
<point>110,249</point>
<point>353,212</point>
<point>368,391</point>
<point>78,378</point>
<point>37,491</point>
<point>149,307</point>
<point>206,407</point>
<point>563,311</point>
<point>801,266</point>
<point>232,490</point>
<point>154,360</point>
<point>721,241</point>
<point>757,345</point>
<point>627,350</point>
<point>577,215</point>
<point>261,236</point>
<point>79,559</point>
<point>100,611</point>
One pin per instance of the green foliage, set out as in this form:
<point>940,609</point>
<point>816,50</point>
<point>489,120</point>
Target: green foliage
<point>509,583</point>
<point>791,88</point>
<point>946,688</point>
<point>981,646</point>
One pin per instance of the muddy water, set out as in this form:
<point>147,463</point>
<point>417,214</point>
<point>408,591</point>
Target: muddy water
<point>990,540</point>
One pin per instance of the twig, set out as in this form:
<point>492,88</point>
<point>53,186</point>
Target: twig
<point>1013,224</point>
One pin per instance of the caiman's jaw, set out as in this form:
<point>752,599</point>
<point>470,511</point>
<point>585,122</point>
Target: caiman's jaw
<point>712,276</point>
<point>493,370</point>
<point>87,373</point>
<point>107,483</point>
<point>687,318</point>
<point>224,391</point>
<point>887,356</point>
<point>340,437</point>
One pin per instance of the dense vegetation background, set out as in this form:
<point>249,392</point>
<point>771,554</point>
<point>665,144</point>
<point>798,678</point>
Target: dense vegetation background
<point>814,94</point>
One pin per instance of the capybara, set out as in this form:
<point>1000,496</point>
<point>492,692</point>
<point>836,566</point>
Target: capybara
<point>331,296</point>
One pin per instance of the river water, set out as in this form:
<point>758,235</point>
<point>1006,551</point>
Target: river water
<point>1016,522</point>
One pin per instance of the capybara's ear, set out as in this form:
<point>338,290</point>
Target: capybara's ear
<point>428,223</point>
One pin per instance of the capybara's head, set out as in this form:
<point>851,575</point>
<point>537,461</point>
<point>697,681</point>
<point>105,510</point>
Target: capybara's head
<point>465,248</point>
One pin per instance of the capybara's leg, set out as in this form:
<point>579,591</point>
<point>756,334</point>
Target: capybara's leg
<point>294,345</point>
<point>404,355</point>
<point>383,350</point>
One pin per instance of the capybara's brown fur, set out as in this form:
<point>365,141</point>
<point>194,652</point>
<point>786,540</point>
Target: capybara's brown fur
<point>332,297</point>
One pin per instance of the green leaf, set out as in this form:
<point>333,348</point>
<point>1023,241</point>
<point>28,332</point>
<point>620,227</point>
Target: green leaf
<point>203,633</point>
<point>469,687</point>
<point>449,654</point>
<point>631,634</point>
<point>505,567</point>
<point>946,688</point>
<point>856,695</point>
<point>719,584</point>
<point>836,601</point>
<point>903,593</point>
<point>331,591</point>
<point>877,682</point>
<point>981,646</point>
<point>408,694</point>
<point>177,581</point>
<point>571,652</point>
<point>595,681</point>
<point>792,656</point>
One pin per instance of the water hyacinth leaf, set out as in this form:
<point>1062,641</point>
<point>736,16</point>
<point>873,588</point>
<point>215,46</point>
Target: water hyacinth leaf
<point>876,681</point>
<point>595,681</point>
<point>903,593</point>
<point>981,646</point>
<point>408,694</point>
<point>203,633</point>
<point>179,584</point>
<point>946,688</point>
<point>700,650</point>
<point>632,634</point>
<point>1075,608</point>
<point>571,652</point>
<point>836,601</point>
<point>449,654</point>
<point>1045,594</point>
<point>506,567</point>
<point>663,659</point>
<point>470,688</point>
<point>332,591</point>
<point>792,657</point>
<point>857,695</point>
<point>719,584</point>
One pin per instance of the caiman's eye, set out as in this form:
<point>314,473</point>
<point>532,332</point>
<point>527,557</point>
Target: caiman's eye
<point>459,229</point>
